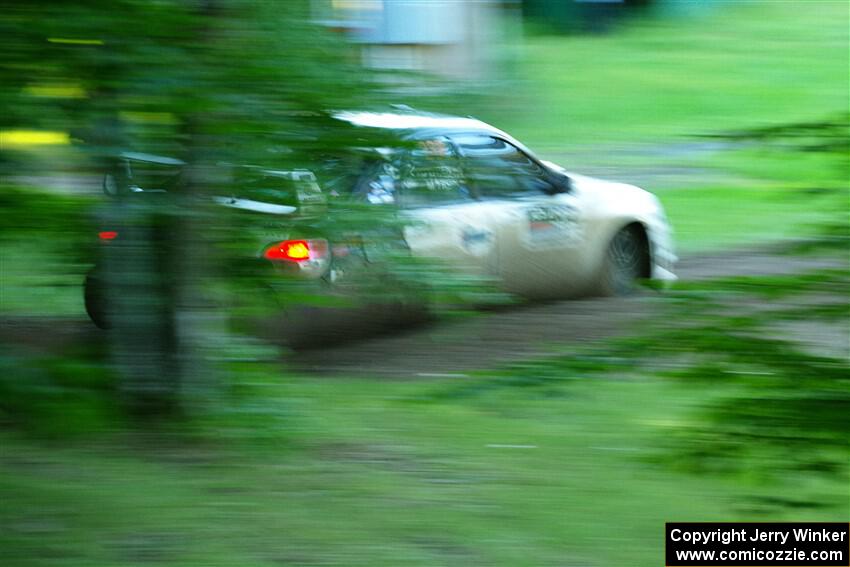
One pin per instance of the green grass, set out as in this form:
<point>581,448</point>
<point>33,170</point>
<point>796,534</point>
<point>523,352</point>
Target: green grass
<point>578,458</point>
<point>740,65</point>
<point>725,218</point>
<point>360,472</point>
<point>45,250</point>
<point>763,195</point>
<point>37,282</point>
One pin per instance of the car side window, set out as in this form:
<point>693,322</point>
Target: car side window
<point>497,169</point>
<point>376,182</point>
<point>431,175</point>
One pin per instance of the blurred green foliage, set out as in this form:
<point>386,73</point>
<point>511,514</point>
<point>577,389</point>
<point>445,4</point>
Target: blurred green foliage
<point>57,396</point>
<point>216,84</point>
<point>707,411</point>
<point>231,80</point>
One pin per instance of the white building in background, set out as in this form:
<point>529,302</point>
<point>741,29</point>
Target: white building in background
<point>457,39</point>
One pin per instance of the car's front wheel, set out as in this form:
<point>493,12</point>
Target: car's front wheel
<point>625,262</point>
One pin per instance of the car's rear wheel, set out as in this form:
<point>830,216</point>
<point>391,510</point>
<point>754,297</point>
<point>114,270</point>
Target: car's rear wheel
<point>95,301</point>
<point>625,262</point>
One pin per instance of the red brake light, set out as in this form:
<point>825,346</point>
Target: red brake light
<point>297,250</point>
<point>107,235</point>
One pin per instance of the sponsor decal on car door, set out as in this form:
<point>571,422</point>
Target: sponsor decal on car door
<point>543,226</point>
<point>446,221</point>
<point>551,225</point>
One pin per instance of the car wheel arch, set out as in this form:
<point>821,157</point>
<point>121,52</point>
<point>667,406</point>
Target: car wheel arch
<point>602,283</point>
<point>641,231</point>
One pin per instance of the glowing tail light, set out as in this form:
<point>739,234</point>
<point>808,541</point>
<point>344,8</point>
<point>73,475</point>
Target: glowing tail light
<point>107,235</point>
<point>297,250</point>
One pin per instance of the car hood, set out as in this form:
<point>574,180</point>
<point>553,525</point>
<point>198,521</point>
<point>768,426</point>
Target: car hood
<point>604,187</point>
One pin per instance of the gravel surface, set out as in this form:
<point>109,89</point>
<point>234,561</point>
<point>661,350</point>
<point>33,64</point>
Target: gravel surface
<point>453,348</point>
<point>487,340</point>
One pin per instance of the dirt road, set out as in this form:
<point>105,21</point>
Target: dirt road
<point>453,348</point>
<point>487,340</point>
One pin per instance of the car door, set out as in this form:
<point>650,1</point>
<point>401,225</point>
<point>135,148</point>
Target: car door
<point>446,221</point>
<point>540,226</point>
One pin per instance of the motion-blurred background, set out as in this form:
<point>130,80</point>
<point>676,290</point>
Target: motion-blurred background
<point>486,438</point>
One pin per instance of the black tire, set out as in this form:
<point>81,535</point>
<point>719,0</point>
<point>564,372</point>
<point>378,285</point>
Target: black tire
<point>95,300</point>
<point>625,262</point>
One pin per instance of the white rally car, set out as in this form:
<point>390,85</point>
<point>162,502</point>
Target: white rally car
<point>467,194</point>
<point>478,198</point>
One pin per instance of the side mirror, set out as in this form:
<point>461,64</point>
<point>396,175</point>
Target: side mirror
<point>561,183</point>
<point>565,183</point>
<point>117,177</point>
<point>110,185</point>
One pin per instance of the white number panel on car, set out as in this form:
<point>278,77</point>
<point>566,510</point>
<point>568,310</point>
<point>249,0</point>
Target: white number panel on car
<point>551,226</point>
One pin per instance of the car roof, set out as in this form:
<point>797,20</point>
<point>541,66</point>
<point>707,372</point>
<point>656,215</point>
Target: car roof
<point>421,125</point>
<point>411,121</point>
